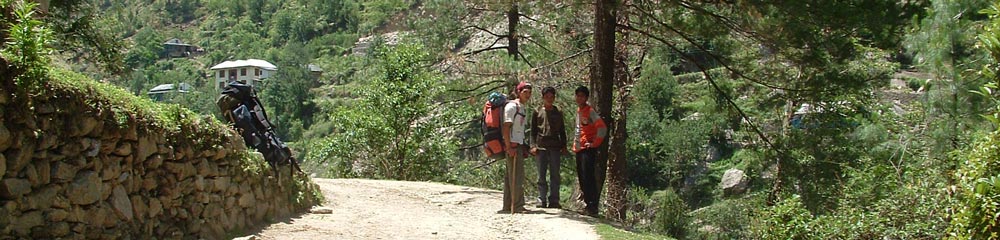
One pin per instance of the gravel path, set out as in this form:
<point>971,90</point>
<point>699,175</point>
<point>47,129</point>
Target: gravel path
<point>375,209</point>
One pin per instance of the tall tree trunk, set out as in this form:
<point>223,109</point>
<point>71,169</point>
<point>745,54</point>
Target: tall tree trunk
<point>602,75</point>
<point>513,18</point>
<point>617,176</point>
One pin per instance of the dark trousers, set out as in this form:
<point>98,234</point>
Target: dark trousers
<point>586,164</point>
<point>548,167</point>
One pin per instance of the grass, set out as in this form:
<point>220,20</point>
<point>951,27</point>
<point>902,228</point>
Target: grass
<point>610,232</point>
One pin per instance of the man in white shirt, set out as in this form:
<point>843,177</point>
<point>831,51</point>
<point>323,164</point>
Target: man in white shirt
<point>514,121</point>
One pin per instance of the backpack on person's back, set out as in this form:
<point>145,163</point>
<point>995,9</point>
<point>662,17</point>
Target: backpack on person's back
<point>492,123</point>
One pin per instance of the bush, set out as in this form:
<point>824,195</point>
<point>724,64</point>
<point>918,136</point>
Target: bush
<point>394,130</point>
<point>672,216</point>
<point>662,212</point>
<point>979,195</point>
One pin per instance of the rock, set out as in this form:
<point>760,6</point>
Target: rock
<point>155,208</point>
<point>44,108</point>
<point>734,181</point>
<point>63,172</point>
<point>123,149</point>
<point>44,198</point>
<point>139,208</point>
<point>44,168</point>
<point>321,210</point>
<point>32,175</point>
<point>48,141</point>
<point>12,188</point>
<point>246,200</point>
<point>182,170</point>
<point>58,229</point>
<point>91,146</point>
<point>6,138</point>
<point>3,164</point>
<point>153,162</point>
<point>85,126</point>
<point>22,226</point>
<point>57,215</point>
<point>220,153</point>
<point>145,148</point>
<point>102,215</point>
<point>85,189</point>
<point>199,183</point>
<point>222,184</point>
<point>148,184</point>
<point>121,203</point>
<point>17,159</point>
<point>60,202</point>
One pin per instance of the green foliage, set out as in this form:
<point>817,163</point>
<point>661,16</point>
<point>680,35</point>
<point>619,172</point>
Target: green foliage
<point>392,131</point>
<point>979,176</point>
<point>613,233</point>
<point>672,216</point>
<point>788,219</point>
<point>28,43</point>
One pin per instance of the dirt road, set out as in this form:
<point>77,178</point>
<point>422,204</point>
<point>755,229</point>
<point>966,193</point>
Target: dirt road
<point>373,209</point>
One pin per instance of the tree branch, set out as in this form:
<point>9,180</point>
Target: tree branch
<point>564,59</point>
<point>484,50</point>
<point>475,88</point>
<point>710,54</point>
<point>484,30</point>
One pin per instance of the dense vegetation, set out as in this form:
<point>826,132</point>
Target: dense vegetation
<point>899,140</point>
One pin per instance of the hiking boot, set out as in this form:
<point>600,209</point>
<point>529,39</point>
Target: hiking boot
<point>542,205</point>
<point>554,205</point>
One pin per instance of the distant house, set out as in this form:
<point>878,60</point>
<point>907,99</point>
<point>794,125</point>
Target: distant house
<point>315,71</point>
<point>174,48</point>
<point>250,71</point>
<point>158,93</point>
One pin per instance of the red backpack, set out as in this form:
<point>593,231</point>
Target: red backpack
<point>492,121</point>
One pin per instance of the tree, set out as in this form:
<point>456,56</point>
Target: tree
<point>393,130</point>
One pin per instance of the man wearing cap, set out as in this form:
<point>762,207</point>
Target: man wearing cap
<point>514,122</point>
<point>548,135</point>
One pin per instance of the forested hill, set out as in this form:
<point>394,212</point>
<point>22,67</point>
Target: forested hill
<point>745,119</point>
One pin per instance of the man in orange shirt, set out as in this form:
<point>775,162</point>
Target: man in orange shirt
<point>590,133</point>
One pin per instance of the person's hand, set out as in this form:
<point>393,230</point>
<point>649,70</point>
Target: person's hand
<point>510,149</point>
<point>534,151</point>
<point>586,145</point>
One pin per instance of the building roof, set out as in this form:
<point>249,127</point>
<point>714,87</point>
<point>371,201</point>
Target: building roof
<point>162,88</point>
<point>245,63</point>
<point>314,68</point>
<point>177,42</point>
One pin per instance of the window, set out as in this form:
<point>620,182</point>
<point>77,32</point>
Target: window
<point>232,73</point>
<point>256,72</point>
<point>243,71</point>
<point>222,73</point>
<point>222,84</point>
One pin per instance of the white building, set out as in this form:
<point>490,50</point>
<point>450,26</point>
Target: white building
<point>250,71</point>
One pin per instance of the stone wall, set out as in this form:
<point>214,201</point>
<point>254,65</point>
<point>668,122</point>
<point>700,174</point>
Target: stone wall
<point>77,164</point>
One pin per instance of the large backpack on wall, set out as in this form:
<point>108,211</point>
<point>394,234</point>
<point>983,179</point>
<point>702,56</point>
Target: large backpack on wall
<point>492,121</point>
<point>240,106</point>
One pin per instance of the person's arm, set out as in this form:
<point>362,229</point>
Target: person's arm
<point>577,132</point>
<point>509,113</point>
<point>602,129</point>
<point>561,131</point>
<point>534,131</point>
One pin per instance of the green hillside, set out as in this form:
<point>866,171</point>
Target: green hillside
<point>845,119</point>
